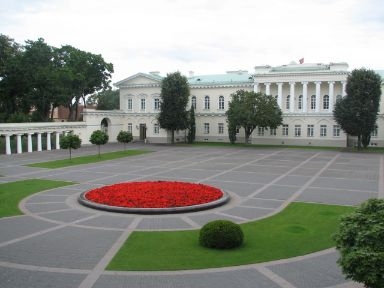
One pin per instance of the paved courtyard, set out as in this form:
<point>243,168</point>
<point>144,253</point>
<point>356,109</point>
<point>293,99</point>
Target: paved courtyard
<point>59,243</point>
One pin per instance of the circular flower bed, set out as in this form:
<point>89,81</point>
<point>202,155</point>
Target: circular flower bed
<point>154,197</point>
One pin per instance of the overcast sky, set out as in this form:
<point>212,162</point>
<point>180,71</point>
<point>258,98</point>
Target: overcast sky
<point>204,36</point>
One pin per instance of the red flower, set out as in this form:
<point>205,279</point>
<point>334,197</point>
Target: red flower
<point>154,194</point>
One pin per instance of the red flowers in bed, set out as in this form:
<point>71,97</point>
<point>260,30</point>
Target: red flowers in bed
<point>154,194</point>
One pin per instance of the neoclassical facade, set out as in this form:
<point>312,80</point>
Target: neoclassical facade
<point>306,93</point>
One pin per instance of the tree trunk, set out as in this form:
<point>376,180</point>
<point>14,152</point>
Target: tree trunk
<point>173,137</point>
<point>359,142</point>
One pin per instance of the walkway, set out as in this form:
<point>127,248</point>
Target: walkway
<point>59,243</point>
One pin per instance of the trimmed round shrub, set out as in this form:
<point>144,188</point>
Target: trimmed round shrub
<point>221,234</point>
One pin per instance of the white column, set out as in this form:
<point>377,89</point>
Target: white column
<point>39,147</point>
<point>267,88</point>
<point>343,93</point>
<point>19,145</point>
<point>57,140</point>
<point>330,94</point>
<point>8,144</point>
<point>256,87</point>
<point>49,141</point>
<point>305,96</point>
<point>280,94</point>
<point>318,96</point>
<point>29,142</point>
<point>292,99</point>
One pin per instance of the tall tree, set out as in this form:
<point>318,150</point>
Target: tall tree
<point>174,98</point>
<point>250,110</point>
<point>357,112</point>
<point>105,100</point>
<point>82,74</point>
<point>191,125</point>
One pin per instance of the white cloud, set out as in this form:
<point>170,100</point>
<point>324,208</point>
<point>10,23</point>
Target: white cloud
<point>207,36</point>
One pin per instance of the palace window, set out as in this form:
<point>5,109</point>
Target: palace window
<point>288,102</point>
<point>206,128</point>
<point>313,102</point>
<point>285,129</point>
<point>194,102</point>
<point>310,129</point>
<point>156,128</point>
<point>272,131</point>
<point>323,130</point>
<point>157,104</point>
<point>221,103</point>
<point>142,104</point>
<point>206,103</point>
<point>374,132</point>
<point>297,130</point>
<point>129,103</point>
<point>336,130</point>
<point>220,128</point>
<point>326,102</point>
<point>300,103</point>
<point>260,131</point>
<point>129,128</point>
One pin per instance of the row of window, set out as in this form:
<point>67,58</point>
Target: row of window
<point>312,102</point>
<point>336,130</point>
<point>221,102</point>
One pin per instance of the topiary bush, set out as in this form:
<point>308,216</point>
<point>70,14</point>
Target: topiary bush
<point>221,234</point>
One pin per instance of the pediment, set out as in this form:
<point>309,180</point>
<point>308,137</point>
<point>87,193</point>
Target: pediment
<point>140,79</point>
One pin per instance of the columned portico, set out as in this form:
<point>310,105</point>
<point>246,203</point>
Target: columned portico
<point>19,145</point>
<point>57,140</point>
<point>343,92</point>
<point>268,88</point>
<point>292,99</point>
<point>280,94</point>
<point>30,142</point>
<point>7,144</point>
<point>49,141</point>
<point>305,95</point>
<point>318,96</point>
<point>39,146</point>
<point>330,94</point>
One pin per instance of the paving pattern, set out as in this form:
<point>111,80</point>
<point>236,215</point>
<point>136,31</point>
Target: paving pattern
<point>59,243</point>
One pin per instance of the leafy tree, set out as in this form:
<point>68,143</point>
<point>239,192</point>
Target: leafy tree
<point>99,138</point>
<point>250,110</point>
<point>232,132</point>
<point>191,125</point>
<point>357,112</point>
<point>105,100</point>
<point>124,137</point>
<point>174,98</point>
<point>82,73</point>
<point>361,246</point>
<point>70,142</point>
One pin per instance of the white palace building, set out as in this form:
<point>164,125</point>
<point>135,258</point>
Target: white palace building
<point>306,93</point>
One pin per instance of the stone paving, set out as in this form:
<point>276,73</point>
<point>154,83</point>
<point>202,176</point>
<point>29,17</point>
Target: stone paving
<point>59,243</point>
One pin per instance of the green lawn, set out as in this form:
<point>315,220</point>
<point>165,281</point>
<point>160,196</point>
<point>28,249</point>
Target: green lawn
<point>87,159</point>
<point>300,229</point>
<point>12,193</point>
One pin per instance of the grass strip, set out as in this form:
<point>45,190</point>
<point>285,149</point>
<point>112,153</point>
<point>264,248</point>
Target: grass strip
<point>299,229</point>
<point>87,159</point>
<point>13,192</point>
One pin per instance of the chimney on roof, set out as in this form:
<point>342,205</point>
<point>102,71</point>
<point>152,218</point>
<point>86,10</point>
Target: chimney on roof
<point>191,74</point>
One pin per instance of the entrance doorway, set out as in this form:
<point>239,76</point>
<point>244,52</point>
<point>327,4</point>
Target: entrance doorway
<point>143,131</point>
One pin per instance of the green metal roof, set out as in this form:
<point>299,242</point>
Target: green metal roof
<point>229,77</point>
<point>300,68</point>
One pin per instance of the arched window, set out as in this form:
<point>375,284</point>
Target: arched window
<point>326,102</point>
<point>288,102</point>
<point>194,102</point>
<point>206,103</point>
<point>313,102</point>
<point>221,103</point>
<point>300,103</point>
